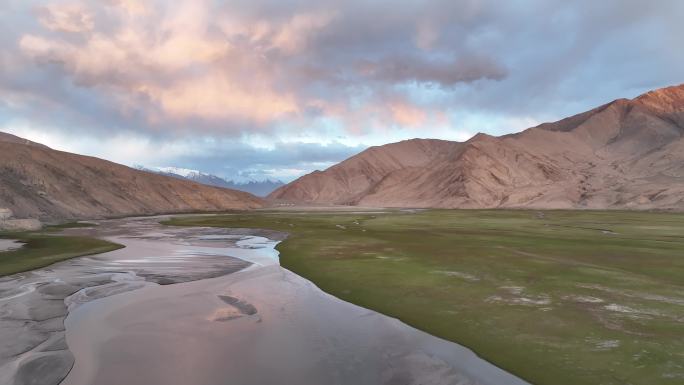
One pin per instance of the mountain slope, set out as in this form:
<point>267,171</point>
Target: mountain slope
<point>349,181</point>
<point>625,154</point>
<point>5,137</point>
<point>38,182</point>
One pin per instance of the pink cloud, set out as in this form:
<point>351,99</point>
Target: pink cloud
<point>172,64</point>
<point>184,66</point>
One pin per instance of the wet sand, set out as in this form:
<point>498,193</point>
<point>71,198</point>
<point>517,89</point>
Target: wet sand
<point>232,315</point>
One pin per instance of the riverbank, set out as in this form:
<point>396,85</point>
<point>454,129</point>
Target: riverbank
<point>39,250</point>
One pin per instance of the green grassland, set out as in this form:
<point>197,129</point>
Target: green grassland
<point>556,297</point>
<point>69,225</point>
<point>41,249</point>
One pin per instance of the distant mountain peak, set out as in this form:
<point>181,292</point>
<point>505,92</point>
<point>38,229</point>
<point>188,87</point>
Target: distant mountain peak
<point>256,187</point>
<point>480,136</point>
<point>664,99</point>
<point>184,172</point>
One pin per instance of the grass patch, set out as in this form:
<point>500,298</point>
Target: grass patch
<point>556,297</point>
<point>41,250</point>
<point>69,225</point>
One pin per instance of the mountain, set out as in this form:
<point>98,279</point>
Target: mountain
<point>258,188</point>
<point>9,138</point>
<point>625,154</point>
<point>187,174</point>
<point>39,182</point>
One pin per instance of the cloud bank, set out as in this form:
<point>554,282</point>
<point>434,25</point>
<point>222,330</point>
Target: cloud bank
<point>273,80</point>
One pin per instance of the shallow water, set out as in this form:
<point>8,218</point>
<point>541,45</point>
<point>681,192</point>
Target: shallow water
<point>9,244</point>
<point>206,306</point>
<point>33,305</point>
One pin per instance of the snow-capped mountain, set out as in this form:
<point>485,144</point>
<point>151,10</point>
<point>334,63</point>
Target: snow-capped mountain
<point>258,188</point>
<point>184,172</point>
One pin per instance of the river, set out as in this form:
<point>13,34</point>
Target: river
<point>206,306</point>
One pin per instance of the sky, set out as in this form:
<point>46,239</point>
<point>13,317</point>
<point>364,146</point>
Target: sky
<point>256,89</point>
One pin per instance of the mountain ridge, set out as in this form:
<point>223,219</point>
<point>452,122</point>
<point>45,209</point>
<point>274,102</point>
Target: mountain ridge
<point>623,154</point>
<point>258,188</point>
<point>42,183</point>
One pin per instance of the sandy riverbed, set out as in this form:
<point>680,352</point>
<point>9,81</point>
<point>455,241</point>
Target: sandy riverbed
<point>232,315</point>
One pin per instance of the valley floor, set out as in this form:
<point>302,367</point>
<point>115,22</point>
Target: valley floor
<point>203,306</point>
<point>556,297</point>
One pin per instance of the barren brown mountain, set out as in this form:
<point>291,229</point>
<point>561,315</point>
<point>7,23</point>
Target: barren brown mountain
<point>38,182</point>
<point>625,154</point>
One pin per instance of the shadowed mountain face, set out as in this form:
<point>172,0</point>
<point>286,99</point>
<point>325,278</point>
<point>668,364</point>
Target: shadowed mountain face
<point>625,154</point>
<point>38,182</point>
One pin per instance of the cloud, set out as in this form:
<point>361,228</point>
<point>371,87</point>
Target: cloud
<point>447,73</point>
<point>199,62</point>
<point>132,7</point>
<point>229,158</point>
<point>65,18</point>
